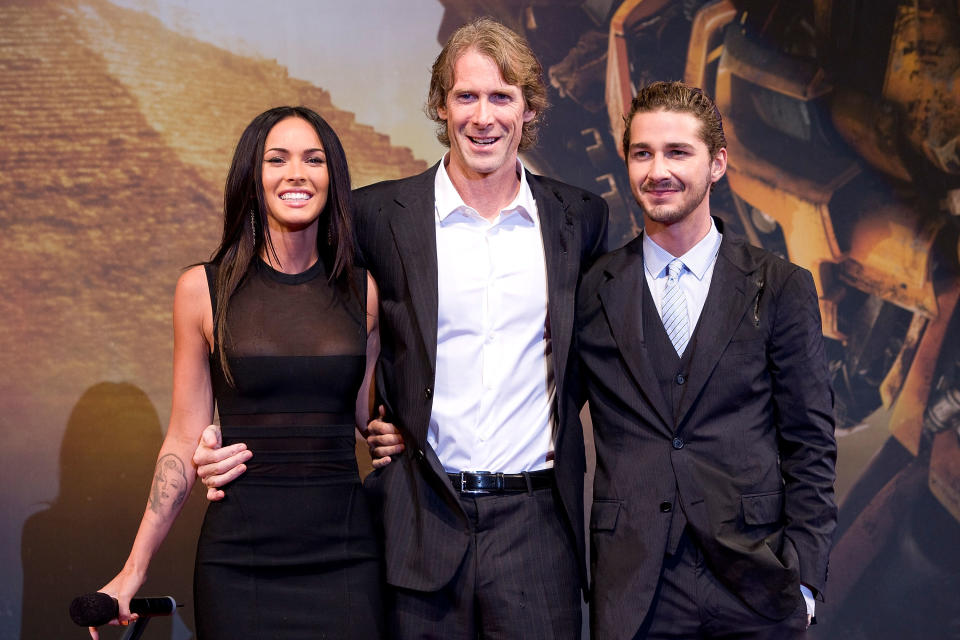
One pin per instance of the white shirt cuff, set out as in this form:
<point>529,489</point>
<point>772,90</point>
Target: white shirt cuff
<point>808,598</point>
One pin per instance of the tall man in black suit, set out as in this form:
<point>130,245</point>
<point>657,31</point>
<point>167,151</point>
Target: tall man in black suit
<point>476,263</point>
<point>712,411</point>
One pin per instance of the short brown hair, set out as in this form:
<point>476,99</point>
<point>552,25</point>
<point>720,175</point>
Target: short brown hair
<point>676,96</point>
<point>512,54</point>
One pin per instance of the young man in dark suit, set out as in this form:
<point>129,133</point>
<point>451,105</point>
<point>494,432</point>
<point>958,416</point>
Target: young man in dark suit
<point>712,411</point>
<point>476,264</point>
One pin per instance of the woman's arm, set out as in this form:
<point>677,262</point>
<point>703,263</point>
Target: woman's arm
<point>192,410</point>
<point>365,395</point>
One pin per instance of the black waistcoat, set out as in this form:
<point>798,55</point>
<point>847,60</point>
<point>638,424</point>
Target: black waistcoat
<point>672,372</point>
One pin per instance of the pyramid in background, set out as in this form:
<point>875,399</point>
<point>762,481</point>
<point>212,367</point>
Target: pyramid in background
<point>115,137</point>
<point>199,97</point>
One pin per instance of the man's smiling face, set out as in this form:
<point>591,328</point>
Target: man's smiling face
<point>670,167</point>
<point>485,118</point>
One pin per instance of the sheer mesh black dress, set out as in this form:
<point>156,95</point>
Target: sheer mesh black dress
<point>290,552</point>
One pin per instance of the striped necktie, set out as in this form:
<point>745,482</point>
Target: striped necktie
<point>674,308</point>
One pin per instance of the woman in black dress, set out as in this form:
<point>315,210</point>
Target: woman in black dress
<point>274,331</point>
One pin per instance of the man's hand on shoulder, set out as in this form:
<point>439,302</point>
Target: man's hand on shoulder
<point>384,440</point>
<point>218,465</point>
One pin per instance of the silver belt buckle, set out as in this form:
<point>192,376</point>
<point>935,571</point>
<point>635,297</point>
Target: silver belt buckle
<point>463,482</point>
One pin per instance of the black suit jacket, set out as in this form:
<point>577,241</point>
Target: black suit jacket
<point>425,528</point>
<point>749,454</point>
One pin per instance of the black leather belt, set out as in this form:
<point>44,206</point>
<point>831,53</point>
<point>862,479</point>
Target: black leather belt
<point>482,482</point>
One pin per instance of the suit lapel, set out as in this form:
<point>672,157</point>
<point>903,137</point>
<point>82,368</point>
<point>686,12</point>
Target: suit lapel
<point>622,299</point>
<point>732,290</point>
<point>557,231</point>
<point>413,225</point>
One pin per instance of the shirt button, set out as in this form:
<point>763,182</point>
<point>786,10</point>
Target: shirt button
<point>666,507</point>
<point>680,378</point>
<point>678,443</point>
<point>428,393</point>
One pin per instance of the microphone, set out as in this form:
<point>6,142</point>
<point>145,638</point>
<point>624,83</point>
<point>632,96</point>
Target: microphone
<point>95,609</point>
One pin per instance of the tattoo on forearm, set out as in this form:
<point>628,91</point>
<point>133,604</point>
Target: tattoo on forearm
<point>169,485</point>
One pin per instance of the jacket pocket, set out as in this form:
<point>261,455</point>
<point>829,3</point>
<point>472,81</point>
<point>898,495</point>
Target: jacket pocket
<point>604,514</point>
<point>762,508</point>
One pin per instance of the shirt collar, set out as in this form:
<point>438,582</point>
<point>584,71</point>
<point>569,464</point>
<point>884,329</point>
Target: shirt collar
<point>448,200</point>
<point>697,260</point>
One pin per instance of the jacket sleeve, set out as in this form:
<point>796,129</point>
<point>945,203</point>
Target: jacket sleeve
<point>803,405</point>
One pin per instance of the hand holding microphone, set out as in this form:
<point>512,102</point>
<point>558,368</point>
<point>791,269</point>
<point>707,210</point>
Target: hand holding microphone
<point>95,609</point>
<point>121,591</point>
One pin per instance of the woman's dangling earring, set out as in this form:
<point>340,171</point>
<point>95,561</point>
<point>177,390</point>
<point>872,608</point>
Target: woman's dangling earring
<point>253,228</point>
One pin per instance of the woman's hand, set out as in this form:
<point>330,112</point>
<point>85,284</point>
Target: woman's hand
<point>123,587</point>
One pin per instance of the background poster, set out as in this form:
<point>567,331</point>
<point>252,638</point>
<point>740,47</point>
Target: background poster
<point>118,119</point>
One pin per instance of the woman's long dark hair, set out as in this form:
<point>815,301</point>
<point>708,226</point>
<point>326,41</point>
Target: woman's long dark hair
<point>245,228</point>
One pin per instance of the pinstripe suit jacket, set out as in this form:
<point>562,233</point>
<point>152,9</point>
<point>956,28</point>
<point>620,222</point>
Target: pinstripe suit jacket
<point>425,528</point>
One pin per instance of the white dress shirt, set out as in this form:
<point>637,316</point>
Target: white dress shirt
<point>494,390</point>
<point>694,281</point>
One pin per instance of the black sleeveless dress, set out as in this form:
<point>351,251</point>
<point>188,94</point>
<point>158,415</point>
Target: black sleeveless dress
<point>290,552</point>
